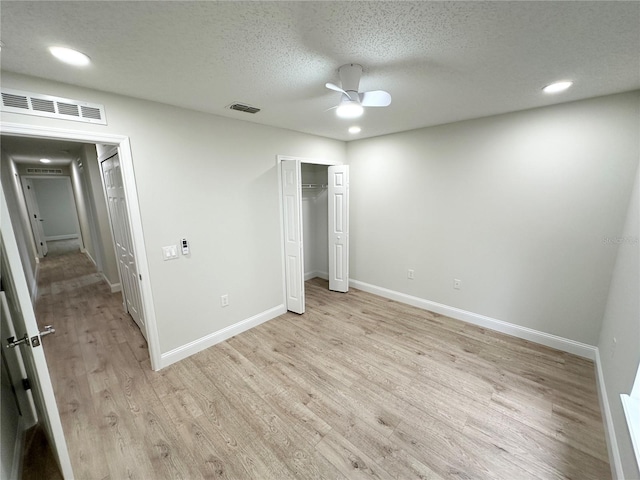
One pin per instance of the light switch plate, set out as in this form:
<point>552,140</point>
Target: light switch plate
<point>170,252</point>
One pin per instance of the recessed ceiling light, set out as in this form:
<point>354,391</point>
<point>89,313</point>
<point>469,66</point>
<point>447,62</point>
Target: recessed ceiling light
<point>354,129</point>
<point>349,109</point>
<point>70,56</point>
<point>557,87</point>
<point>45,160</point>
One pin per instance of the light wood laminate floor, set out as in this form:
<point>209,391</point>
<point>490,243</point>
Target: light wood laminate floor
<point>358,387</point>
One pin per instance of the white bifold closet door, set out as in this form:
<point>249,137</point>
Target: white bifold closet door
<point>339,228</point>
<point>293,246</point>
<point>127,265</point>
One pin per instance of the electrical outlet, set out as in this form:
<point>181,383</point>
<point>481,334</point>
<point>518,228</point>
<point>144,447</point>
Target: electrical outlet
<point>457,284</point>
<point>224,300</point>
<point>410,274</point>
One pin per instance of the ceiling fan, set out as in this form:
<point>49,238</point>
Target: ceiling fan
<point>353,102</point>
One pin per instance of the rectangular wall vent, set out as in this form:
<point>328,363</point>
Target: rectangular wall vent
<point>46,171</point>
<point>241,107</point>
<point>16,101</point>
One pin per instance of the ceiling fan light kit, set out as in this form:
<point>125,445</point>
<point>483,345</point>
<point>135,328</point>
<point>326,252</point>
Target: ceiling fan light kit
<point>349,109</point>
<point>353,102</point>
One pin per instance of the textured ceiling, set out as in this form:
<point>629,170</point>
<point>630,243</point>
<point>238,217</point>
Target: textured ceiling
<point>441,61</point>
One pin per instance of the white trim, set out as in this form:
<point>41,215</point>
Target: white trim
<point>114,287</point>
<point>553,341</point>
<point>207,341</point>
<point>133,208</point>
<point>317,161</point>
<point>631,407</point>
<point>18,448</point>
<point>310,275</point>
<point>86,252</point>
<point>279,159</point>
<point>61,237</point>
<point>615,461</point>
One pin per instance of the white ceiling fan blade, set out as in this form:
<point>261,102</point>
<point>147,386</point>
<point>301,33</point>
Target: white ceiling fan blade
<point>375,98</point>
<point>331,86</point>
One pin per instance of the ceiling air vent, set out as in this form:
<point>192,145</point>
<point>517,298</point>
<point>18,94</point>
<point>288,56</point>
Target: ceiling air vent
<point>16,101</point>
<point>241,107</point>
<point>47,171</point>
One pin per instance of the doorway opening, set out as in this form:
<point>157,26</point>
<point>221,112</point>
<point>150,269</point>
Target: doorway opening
<point>127,208</point>
<point>314,198</point>
<point>53,213</point>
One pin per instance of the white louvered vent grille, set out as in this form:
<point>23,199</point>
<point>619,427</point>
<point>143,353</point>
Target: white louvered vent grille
<point>16,101</point>
<point>46,171</point>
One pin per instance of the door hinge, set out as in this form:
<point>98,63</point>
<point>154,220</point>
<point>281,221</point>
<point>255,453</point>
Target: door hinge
<point>26,384</point>
<point>41,244</point>
<point>140,276</point>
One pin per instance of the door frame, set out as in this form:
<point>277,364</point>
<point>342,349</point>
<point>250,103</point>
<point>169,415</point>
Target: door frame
<point>133,210</point>
<point>283,257</point>
<point>33,210</point>
<point>69,185</point>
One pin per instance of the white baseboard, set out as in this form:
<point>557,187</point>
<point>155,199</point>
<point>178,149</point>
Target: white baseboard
<point>207,341</point>
<point>61,237</point>
<point>88,255</point>
<point>310,275</point>
<point>610,433</point>
<point>114,287</point>
<point>553,341</point>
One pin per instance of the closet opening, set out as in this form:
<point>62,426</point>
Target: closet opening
<point>315,226</point>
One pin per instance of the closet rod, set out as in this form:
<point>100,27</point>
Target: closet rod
<point>314,185</point>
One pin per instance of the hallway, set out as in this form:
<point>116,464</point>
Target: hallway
<point>95,345</point>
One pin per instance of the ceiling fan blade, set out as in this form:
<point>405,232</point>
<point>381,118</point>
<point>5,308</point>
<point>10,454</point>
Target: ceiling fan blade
<point>331,86</point>
<point>375,98</point>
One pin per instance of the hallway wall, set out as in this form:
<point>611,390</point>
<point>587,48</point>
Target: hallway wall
<point>24,237</point>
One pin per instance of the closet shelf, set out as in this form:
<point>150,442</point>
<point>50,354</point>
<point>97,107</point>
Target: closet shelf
<point>314,185</point>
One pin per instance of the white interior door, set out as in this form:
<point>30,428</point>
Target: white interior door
<point>114,190</point>
<point>339,228</point>
<point>293,246</point>
<point>22,317</point>
<point>34,216</point>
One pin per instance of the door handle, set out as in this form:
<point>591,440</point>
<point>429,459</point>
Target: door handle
<point>13,343</point>
<point>48,330</point>
<point>34,342</point>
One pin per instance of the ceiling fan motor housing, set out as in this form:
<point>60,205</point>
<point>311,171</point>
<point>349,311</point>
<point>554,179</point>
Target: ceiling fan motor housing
<point>350,77</point>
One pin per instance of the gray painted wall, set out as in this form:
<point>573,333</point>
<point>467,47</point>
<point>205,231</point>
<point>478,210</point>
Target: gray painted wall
<point>15,202</point>
<point>516,206</point>
<point>57,206</point>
